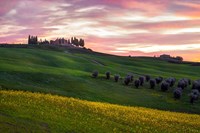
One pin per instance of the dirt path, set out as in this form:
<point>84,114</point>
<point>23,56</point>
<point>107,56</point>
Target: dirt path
<point>97,62</point>
<point>87,59</point>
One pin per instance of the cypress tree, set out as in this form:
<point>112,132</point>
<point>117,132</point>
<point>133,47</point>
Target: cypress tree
<point>36,40</point>
<point>68,42</point>
<point>29,37</point>
<point>83,43</point>
<point>72,40</point>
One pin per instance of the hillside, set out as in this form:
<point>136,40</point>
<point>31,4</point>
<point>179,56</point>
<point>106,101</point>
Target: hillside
<point>35,112</point>
<point>67,72</point>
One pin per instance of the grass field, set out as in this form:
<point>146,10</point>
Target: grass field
<point>35,112</point>
<point>68,73</point>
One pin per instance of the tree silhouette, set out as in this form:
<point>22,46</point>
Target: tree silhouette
<point>81,42</point>
<point>68,42</point>
<point>72,40</point>
<point>36,40</point>
<point>29,37</point>
<point>33,40</point>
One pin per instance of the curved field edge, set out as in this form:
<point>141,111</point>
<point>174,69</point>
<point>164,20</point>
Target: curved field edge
<point>36,112</point>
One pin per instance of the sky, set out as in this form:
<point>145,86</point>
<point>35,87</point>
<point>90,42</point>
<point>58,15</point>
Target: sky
<point>120,27</point>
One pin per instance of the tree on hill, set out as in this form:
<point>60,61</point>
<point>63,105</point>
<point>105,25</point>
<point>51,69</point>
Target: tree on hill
<point>29,38</point>
<point>75,41</point>
<point>59,41</point>
<point>72,40</point>
<point>179,58</point>
<point>32,40</point>
<point>36,40</point>
<point>81,42</point>
<point>68,41</point>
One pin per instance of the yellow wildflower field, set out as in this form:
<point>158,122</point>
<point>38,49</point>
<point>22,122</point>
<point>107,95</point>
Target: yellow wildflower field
<point>63,114</point>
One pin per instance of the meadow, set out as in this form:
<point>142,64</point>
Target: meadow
<point>35,112</point>
<point>67,72</point>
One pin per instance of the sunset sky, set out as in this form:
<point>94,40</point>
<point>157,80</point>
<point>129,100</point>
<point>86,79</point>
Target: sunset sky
<point>121,27</point>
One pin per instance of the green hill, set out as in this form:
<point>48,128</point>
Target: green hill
<point>67,72</point>
<point>34,112</point>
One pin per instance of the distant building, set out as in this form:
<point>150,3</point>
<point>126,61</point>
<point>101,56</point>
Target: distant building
<point>170,58</point>
<point>165,56</point>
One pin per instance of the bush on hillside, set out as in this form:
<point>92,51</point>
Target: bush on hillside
<point>137,83</point>
<point>171,81</point>
<point>116,77</point>
<point>196,85</point>
<point>107,75</point>
<point>152,83</point>
<point>95,74</point>
<point>159,80</point>
<point>183,83</point>
<point>177,93</point>
<point>194,95</point>
<point>141,80</point>
<point>147,77</point>
<point>164,86</point>
<point>127,80</point>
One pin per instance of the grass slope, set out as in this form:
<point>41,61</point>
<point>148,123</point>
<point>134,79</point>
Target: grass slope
<point>35,112</point>
<point>68,73</point>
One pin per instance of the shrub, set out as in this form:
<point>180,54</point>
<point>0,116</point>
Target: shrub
<point>130,75</point>
<point>164,86</point>
<point>182,84</point>
<point>195,92</point>
<point>171,81</point>
<point>147,78</point>
<point>186,81</point>
<point>152,83</point>
<point>159,80</point>
<point>189,81</point>
<point>196,85</point>
<point>95,74</point>
<point>141,80</point>
<point>127,80</point>
<point>107,75</point>
<point>192,98</point>
<point>194,95</point>
<point>177,93</point>
<point>137,83</point>
<point>116,78</point>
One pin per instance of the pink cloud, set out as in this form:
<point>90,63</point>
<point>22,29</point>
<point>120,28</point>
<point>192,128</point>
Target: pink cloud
<point>167,25</point>
<point>148,7</point>
<point>6,6</point>
<point>189,9</point>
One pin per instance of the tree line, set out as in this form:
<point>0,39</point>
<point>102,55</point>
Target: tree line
<point>33,40</point>
<point>77,42</point>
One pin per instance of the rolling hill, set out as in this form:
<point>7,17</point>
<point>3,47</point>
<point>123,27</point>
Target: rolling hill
<point>67,72</point>
<point>51,90</point>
